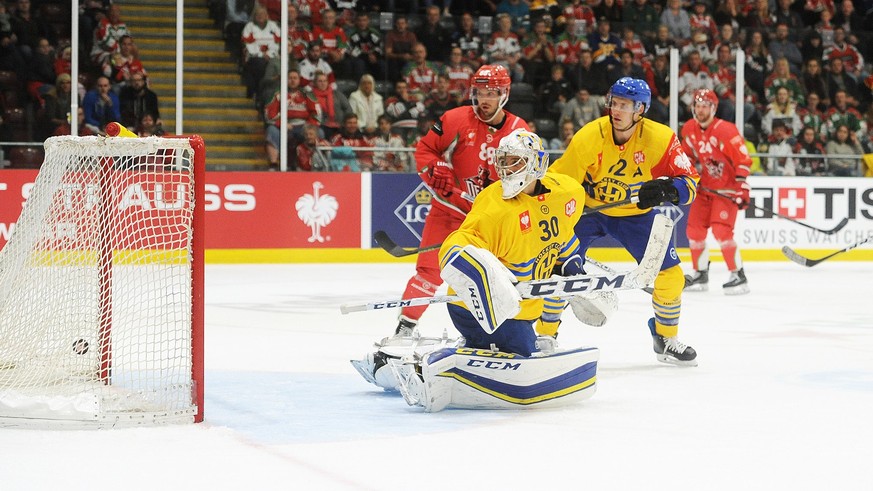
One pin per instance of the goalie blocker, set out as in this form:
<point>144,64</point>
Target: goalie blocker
<point>468,378</point>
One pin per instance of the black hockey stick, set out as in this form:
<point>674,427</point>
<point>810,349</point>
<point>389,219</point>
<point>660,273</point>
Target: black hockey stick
<point>391,247</point>
<point>843,222</point>
<point>805,261</point>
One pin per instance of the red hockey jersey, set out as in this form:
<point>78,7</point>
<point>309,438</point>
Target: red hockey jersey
<point>719,153</point>
<point>461,139</point>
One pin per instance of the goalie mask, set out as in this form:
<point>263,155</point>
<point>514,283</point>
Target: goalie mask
<point>520,159</point>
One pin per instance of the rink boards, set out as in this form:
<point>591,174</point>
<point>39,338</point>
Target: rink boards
<point>331,217</point>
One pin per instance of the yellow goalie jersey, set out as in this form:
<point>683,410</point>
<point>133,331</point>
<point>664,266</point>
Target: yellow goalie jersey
<point>530,235</point>
<point>611,172</point>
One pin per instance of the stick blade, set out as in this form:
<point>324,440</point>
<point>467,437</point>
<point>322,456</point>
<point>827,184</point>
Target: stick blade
<point>843,223</point>
<point>383,241</point>
<point>659,240</point>
<point>797,258</point>
<point>389,246</point>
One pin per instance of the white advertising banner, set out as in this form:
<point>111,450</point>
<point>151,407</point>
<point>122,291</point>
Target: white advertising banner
<point>818,202</point>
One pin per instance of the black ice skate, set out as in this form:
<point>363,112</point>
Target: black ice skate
<point>670,350</point>
<point>405,327</point>
<point>737,284</point>
<point>697,282</point>
<point>403,333</point>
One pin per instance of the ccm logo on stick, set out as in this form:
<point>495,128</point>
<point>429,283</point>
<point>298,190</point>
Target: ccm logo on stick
<point>576,286</point>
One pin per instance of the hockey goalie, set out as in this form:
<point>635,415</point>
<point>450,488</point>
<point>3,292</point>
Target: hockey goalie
<point>500,265</point>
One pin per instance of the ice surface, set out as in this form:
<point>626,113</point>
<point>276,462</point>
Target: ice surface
<point>782,399</point>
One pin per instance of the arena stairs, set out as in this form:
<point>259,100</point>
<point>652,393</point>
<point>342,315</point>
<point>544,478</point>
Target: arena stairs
<point>215,103</point>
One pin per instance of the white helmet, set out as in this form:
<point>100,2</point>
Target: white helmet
<point>529,165</point>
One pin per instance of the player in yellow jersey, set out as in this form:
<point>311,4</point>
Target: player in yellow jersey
<point>616,157</point>
<point>520,228</point>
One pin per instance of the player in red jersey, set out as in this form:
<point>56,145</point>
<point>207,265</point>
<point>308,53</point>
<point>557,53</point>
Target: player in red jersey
<point>452,158</point>
<point>723,162</point>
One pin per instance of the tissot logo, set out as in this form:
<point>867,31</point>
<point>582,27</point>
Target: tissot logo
<point>796,202</point>
<point>414,209</point>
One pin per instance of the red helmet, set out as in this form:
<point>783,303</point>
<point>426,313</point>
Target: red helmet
<point>704,95</point>
<point>490,77</point>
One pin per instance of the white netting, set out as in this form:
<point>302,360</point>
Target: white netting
<point>96,285</point>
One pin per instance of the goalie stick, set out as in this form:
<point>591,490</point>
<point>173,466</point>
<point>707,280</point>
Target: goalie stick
<point>384,241</point>
<point>805,261</point>
<point>642,276</point>
<point>837,228</point>
<point>606,269</point>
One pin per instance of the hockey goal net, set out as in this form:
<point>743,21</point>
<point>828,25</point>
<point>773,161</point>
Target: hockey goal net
<point>101,287</point>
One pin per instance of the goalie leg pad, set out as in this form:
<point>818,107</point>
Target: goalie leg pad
<point>484,284</point>
<point>596,308</point>
<point>469,378</point>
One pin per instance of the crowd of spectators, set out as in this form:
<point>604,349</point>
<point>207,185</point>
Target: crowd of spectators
<point>358,82</point>
<point>37,87</point>
<point>805,68</point>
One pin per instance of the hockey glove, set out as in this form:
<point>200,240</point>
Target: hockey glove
<point>440,176</point>
<point>657,191</point>
<point>742,194</point>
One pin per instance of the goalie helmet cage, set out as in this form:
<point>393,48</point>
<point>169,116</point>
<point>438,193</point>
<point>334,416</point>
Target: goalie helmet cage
<point>101,287</point>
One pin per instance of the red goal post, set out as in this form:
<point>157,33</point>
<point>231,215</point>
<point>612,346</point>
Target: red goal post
<point>101,287</point>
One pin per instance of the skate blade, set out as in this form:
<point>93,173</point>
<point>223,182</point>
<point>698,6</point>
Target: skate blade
<point>737,290</point>
<point>697,288</point>
<point>673,361</point>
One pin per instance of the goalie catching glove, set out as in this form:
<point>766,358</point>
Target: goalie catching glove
<point>593,309</point>
<point>653,193</point>
<point>485,285</point>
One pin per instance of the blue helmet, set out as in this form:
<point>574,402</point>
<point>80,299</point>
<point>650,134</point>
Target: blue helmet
<point>634,89</point>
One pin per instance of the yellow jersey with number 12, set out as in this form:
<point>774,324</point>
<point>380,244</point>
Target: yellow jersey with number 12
<point>611,172</point>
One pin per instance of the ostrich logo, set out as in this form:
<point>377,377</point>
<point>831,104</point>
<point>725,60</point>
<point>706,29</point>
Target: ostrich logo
<point>316,210</point>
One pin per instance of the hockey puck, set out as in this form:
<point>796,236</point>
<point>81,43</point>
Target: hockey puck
<point>80,347</point>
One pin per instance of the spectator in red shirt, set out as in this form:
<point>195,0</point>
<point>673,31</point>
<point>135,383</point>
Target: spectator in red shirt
<point>123,64</point>
<point>334,43</point>
<point>459,73</point>
<point>420,74</point>
<point>302,110</point>
<point>334,105</point>
<point>350,136</point>
<point>309,158</point>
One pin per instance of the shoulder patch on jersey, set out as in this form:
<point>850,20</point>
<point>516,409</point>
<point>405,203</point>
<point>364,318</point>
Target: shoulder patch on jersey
<point>682,161</point>
<point>570,207</point>
<point>437,128</point>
